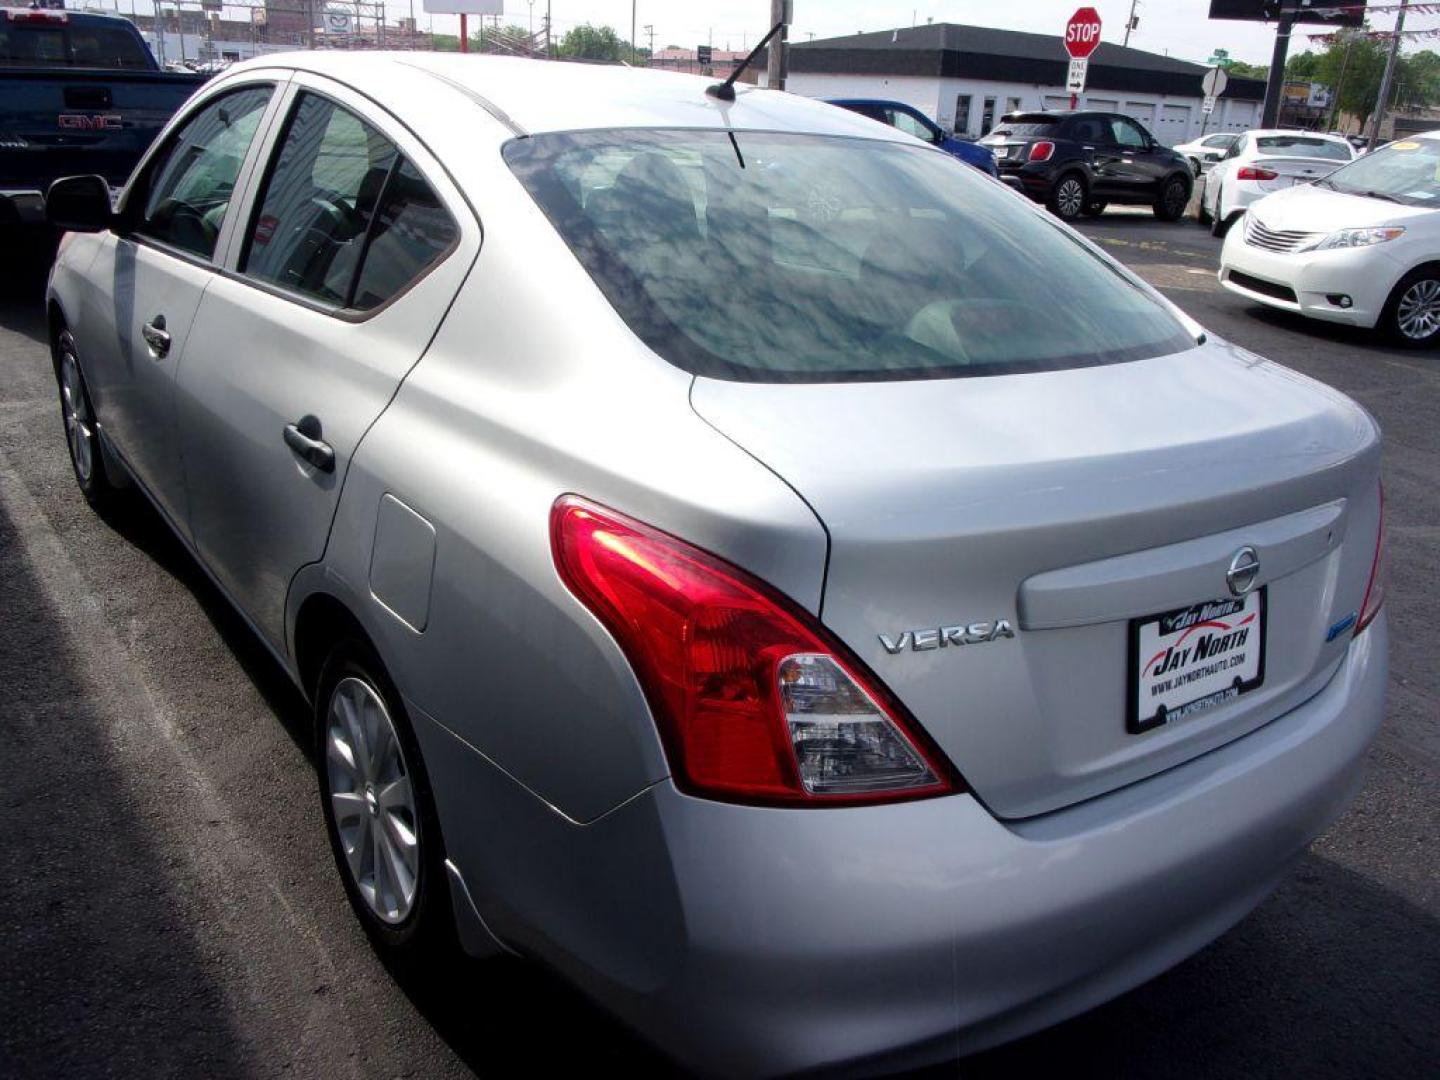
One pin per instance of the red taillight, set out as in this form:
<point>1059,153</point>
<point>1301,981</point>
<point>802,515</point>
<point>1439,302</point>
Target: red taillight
<point>37,16</point>
<point>1041,151</point>
<point>755,701</point>
<point>1253,172</point>
<point>1379,569</point>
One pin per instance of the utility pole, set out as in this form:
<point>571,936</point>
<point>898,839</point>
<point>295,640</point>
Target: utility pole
<point>1340,84</point>
<point>775,58</point>
<point>1389,75</point>
<point>549,52</point>
<point>1130,22</point>
<point>649,29</point>
<point>632,32</point>
<point>1275,87</point>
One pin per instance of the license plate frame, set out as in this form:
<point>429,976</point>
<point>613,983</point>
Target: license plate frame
<point>1190,625</point>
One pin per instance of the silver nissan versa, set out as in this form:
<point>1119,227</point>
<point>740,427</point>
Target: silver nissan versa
<point>739,556</point>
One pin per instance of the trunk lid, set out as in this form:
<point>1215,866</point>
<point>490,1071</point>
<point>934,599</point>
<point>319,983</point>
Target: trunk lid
<point>1067,504</point>
<point>1290,171</point>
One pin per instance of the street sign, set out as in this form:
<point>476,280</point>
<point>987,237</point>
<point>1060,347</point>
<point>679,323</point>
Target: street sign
<point>1075,81</point>
<point>702,55</point>
<point>1082,33</point>
<point>1208,105</point>
<point>1214,82</point>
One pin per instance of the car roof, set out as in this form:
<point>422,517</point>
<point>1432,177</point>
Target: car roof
<point>1268,132</point>
<point>535,96</point>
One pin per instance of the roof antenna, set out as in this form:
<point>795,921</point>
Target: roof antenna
<point>725,91</point>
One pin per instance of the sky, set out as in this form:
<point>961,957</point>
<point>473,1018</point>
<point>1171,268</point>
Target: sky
<point>1179,27</point>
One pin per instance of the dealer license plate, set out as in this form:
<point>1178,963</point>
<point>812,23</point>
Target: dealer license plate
<point>1194,658</point>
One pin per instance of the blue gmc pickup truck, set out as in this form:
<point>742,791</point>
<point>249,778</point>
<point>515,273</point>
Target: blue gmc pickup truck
<point>79,93</point>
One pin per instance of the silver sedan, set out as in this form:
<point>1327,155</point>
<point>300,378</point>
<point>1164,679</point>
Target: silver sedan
<point>738,556</point>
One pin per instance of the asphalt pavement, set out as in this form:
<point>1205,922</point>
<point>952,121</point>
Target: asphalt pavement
<point>168,906</point>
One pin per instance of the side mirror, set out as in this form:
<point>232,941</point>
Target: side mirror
<point>79,204</point>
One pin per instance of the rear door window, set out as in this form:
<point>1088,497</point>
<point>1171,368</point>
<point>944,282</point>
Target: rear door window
<point>343,219</point>
<point>193,179</point>
<point>1128,134</point>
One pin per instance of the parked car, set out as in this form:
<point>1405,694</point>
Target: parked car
<point>912,121</point>
<point>1204,152</point>
<point>1264,162</point>
<point>1079,162</point>
<point>804,647</point>
<point>81,94</point>
<point>1360,247</point>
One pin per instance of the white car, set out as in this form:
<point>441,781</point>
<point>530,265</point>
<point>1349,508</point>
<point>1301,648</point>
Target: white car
<point>1205,152</point>
<point>1262,163</point>
<point>1358,247</point>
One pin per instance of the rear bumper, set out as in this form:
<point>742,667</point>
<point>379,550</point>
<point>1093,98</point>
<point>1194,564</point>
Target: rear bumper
<point>752,940</point>
<point>1366,276</point>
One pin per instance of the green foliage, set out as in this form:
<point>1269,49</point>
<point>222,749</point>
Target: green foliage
<point>594,43</point>
<point>1242,70</point>
<point>1418,79</point>
<point>1303,66</point>
<point>1362,62</point>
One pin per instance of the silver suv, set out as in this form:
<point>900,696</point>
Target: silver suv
<point>738,556</point>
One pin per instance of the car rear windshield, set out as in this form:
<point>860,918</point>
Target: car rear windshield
<point>1300,146</point>
<point>1407,171</point>
<point>41,44</point>
<point>1022,126</point>
<point>802,258</point>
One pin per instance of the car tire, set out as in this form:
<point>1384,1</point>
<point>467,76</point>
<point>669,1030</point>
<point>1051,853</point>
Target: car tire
<point>1174,197</point>
<point>82,434</point>
<point>1219,224</point>
<point>379,810</point>
<point>1411,317</point>
<point>1095,208</point>
<point>1203,217</point>
<point>1068,196</point>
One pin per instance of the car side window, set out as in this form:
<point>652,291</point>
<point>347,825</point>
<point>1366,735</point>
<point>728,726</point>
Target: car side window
<point>1088,130</point>
<point>343,218</point>
<point>412,231</point>
<point>903,121</point>
<point>193,178</point>
<point>1128,134</point>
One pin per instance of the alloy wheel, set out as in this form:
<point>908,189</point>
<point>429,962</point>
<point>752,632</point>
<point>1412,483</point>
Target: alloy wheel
<point>79,426</point>
<point>372,800</point>
<point>1070,197</point>
<point>1418,313</point>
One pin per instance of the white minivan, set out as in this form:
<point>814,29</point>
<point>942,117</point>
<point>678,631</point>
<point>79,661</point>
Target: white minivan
<point>1361,246</point>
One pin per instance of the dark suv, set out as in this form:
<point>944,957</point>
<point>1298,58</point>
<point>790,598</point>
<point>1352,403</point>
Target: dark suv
<point>1079,162</point>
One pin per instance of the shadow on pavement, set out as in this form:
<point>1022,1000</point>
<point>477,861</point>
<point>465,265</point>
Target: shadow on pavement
<point>100,974</point>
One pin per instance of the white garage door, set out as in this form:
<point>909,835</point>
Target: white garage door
<point>1174,126</point>
<point>1144,111</point>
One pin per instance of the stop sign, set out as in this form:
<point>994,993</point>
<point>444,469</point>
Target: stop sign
<point>1082,33</point>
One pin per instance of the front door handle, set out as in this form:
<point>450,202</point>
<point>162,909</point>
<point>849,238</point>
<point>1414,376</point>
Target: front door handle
<point>303,437</point>
<point>155,336</point>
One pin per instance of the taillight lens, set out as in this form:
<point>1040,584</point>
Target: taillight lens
<point>1041,151</point>
<point>1379,571</point>
<point>1253,172</point>
<point>755,701</point>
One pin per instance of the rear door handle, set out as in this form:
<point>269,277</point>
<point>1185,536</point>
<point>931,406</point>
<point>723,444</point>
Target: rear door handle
<point>303,437</point>
<point>155,336</point>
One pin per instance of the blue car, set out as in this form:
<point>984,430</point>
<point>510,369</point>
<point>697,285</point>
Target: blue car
<point>913,122</point>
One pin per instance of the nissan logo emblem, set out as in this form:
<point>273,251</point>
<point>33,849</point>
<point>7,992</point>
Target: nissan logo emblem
<point>1244,569</point>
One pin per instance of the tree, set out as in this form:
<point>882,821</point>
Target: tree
<point>1418,79</point>
<point>1352,66</point>
<point>1303,66</point>
<point>1242,70</point>
<point>593,43</point>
